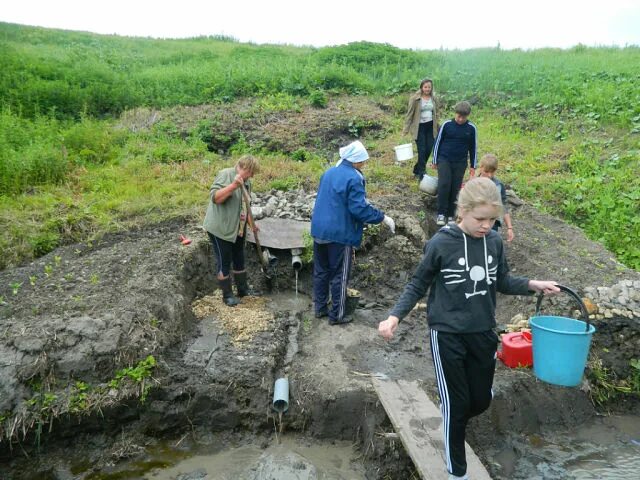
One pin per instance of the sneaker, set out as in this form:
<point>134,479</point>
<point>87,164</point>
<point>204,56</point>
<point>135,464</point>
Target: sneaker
<point>440,220</point>
<point>322,314</point>
<point>451,220</point>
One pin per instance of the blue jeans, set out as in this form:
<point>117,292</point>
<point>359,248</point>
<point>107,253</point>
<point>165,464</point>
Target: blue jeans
<point>331,268</point>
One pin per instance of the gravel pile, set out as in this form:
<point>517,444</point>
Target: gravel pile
<point>619,300</point>
<point>294,204</point>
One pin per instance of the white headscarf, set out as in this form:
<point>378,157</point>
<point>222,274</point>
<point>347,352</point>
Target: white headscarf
<point>354,153</point>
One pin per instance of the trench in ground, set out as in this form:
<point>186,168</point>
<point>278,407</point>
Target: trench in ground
<point>211,413</point>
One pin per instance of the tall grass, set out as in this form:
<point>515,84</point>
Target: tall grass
<point>44,150</point>
<point>589,180</point>
<point>566,122</point>
<point>66,73</point>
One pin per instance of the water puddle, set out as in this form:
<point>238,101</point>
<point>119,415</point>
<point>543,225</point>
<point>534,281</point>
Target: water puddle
<point>289,301</point>
<point>605,447</point>
<point>616,463</point>
<point>617,440</point>
<point>292,459</point>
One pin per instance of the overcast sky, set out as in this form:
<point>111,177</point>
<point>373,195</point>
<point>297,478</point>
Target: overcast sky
<point>403,23</point>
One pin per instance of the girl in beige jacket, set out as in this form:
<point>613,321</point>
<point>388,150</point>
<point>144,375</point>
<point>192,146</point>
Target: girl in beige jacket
<point>421,121</point>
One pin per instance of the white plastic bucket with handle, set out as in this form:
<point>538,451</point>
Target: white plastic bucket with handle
<point>404,152</point>
<point>429,184</point>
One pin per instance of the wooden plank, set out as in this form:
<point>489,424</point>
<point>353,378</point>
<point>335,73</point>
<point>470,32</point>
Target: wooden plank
<point>280,233</point>
<point>418,424</point>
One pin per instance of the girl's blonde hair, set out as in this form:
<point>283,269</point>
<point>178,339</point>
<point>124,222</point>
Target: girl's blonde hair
<point>489,163</point>
<point>479,191</point>
<point>249,163</point>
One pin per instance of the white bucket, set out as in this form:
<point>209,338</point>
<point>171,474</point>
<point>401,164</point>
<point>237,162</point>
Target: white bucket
<point>429,184</point>
<point>404,152</point>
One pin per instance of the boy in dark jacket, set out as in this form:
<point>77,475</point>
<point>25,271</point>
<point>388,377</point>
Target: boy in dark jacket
<point>339,214</point>
<point>462,269</point>
<point>456,144</point>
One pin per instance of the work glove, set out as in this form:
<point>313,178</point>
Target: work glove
<point>388,221</point>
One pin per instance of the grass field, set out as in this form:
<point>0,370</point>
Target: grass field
<point>564,123</point>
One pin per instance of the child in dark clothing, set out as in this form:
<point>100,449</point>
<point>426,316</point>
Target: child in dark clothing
<point>488,169</point>
<point>463,267</point>
<point>456,144</point>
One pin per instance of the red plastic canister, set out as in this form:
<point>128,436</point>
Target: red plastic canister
<point>516,349</point>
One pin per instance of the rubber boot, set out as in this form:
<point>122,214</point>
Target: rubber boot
<point>227,293</point>
<point>242,285</point>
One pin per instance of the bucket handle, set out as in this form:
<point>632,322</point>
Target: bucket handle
<point>576,297</point>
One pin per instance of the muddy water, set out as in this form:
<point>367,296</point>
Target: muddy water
<point>617,440</point>
<point>292,459</point>
<point>603,448</point>
<point>289,301</point>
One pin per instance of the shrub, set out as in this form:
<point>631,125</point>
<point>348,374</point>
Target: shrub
<point>285,183</point>
<point>36,165</point>
<point>92,142</point>
<point>318,99</point>
<point>301,155</point>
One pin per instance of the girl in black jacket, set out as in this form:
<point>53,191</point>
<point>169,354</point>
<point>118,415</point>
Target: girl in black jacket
<point>463,267</point>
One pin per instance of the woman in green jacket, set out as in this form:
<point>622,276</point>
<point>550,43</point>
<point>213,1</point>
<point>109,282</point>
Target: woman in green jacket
<point>421,121</point>
<point>226,225</point>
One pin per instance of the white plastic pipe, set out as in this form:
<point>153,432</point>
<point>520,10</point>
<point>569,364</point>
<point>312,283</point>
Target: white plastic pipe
<point>296,261</point>
<point>281,395</point>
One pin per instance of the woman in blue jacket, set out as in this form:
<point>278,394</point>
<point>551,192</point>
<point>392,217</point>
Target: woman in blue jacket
<point>339,214</point>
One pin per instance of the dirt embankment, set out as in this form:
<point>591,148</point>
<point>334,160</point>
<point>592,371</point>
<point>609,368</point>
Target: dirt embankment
<point>85,311</point>
<point>269,128</point>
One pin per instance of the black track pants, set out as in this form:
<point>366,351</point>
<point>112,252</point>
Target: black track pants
<point>331,268</point>
<point>450,177</point>
<point>464,364</point>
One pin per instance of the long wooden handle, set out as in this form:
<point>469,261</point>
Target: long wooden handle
<point>247,201</point>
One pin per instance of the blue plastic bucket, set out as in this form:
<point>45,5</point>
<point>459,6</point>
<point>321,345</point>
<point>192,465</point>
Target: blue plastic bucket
<point>560,345</point>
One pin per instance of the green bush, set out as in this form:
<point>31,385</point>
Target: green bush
<point>92,142</point>
<point>44,242</point>
<point>318,99</point>
<point>301,155</point>
<point>176,151</point>
<point>38,164</point>
<point>285,183</point>
<point>204,131</point>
